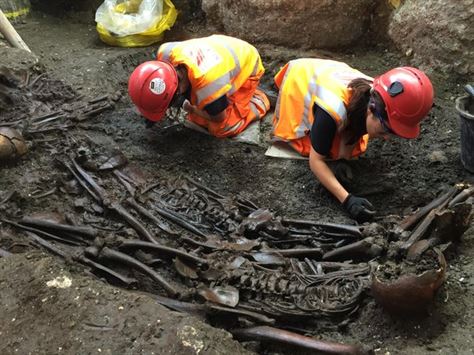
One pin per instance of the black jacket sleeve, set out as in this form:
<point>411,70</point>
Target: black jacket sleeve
<point>217,106</point>
<point>323,131</point>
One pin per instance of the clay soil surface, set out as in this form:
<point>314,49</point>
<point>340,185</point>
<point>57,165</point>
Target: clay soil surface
<point>90,316</point>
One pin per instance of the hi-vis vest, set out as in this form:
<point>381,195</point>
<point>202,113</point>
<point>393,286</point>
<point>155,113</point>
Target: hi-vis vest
<point>218,65</point>
<point>305,82</point>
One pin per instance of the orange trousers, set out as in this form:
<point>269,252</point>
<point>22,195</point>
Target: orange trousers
<point>301,145</point>
<point>245,106</point>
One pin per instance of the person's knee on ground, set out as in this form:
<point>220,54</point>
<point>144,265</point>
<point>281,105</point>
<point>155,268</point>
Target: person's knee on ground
<point>259,104</point>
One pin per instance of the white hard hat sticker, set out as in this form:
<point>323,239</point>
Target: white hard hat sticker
<point>157,86</point>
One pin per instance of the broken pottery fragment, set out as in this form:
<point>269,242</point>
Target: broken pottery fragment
<point>12,144</point>
<point>409,293</point>
<point>225,295</point>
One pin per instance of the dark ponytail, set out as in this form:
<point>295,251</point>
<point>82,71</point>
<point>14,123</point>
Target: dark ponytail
<point>357,109</point>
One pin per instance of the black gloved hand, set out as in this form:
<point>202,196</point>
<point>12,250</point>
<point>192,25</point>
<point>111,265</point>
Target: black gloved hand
<point>359,208</point>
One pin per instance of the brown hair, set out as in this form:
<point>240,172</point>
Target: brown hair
<point>357,108</point>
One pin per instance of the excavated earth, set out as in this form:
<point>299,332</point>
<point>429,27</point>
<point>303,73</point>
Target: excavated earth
<point>52,306</point>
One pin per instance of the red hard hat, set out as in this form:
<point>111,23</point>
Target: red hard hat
<point>408,97</point>
<point>151,87</point>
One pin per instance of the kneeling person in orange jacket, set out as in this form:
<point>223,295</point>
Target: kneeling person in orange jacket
<point>326,109</point>
<point>214,79</point>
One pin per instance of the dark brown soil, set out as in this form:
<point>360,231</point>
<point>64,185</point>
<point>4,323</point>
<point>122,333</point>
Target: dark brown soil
<point>90,316</point>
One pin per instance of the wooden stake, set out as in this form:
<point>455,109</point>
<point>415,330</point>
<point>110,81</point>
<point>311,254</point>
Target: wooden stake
<point>10,34</point>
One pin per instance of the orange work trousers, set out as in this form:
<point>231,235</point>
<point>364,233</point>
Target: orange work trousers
<point>246,105</point>
<point>301,145</point>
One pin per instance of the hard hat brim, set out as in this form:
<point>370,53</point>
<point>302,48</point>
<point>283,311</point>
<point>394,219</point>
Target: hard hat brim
<point>404,131</point>
<point>152,116</point>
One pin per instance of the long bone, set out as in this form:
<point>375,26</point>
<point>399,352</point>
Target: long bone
<point>88,232</point>
<point>95,186</point>
<point>124,182</point>
<point>110,254</point>
<point>202,187</point>
<point>83,183</point>
<point>92,110</point>
<point>199,244</point>
<point>425,224</point>
<point>362,248</point>
<point>330,227</point>
<point>241,202</point>
<point>409,221</point>
<point>47,115</point>
<point>137,244</point>
<point>92,264</point>
<point>462,196</point>
<point>297,253</point>
<point>60,238</point>
<point>132,221</point>
<point>49,119</point>
<point>179,221</point>
<point>210,309</point>
<point>99,194</point>
<point>48,246</point>
<point>266,333</point>
<point>45,194</point>
<point>147,214</point>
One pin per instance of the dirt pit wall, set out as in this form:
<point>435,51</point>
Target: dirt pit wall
<point>437,35</point>
<point>322,24</point>
<point>429,33</point>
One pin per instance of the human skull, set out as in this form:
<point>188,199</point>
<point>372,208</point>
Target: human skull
<point>12,144</point>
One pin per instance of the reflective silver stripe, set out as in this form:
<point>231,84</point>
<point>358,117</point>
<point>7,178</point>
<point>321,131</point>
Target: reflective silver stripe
<point>234,127</point>
<point>331,99</point>
<point>213,87</point>
<point>253,107</point>
<point>305,125</point>
<point>224,80</point>
<point>165,50</point>
<point>255,68</point>
<point>278,103</point>
<point>334,101</point>
<point>234,72</point>
<point>257,100</point>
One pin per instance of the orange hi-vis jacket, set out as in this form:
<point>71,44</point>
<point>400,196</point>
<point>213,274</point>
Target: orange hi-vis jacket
<point>305,82</point>
<point>220,65</point>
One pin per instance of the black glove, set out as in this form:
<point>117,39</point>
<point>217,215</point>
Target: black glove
<point>359,208</point>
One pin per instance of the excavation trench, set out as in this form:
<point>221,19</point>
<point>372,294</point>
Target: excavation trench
<point>104,220</point>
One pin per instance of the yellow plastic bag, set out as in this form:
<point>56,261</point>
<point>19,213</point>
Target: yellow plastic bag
<point>395,3</point>
<point>134,23</point>
<point>15,9</point>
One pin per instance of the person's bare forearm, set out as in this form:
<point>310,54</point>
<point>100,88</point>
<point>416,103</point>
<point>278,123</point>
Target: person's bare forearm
<point>325,175</point>
<point>201,113</point>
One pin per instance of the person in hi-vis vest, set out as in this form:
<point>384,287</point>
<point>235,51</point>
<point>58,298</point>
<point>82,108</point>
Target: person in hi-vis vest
<point>326,109</point>
<point>214,79</point>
